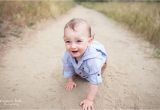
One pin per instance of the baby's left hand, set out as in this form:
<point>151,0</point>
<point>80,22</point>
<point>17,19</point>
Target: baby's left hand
<point>87,104</point>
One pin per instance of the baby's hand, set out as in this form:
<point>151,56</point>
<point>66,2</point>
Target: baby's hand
<point>87,104</point>
<point>70,85</point>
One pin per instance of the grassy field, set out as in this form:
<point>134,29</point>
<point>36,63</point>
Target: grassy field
<point>142,18</point>
<point>14,15</point>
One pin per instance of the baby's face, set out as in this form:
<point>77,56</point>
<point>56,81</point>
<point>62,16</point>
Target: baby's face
<point>76,42</point>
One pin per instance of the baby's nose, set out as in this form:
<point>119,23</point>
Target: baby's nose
<point>73,45</point>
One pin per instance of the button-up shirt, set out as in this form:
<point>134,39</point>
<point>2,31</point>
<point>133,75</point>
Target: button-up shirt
<point>89,66</point>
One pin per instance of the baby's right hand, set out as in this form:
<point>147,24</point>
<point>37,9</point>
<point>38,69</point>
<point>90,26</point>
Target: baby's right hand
<point>70,85</point>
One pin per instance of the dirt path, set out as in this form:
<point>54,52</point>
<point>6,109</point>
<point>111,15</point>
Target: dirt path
<point>31,70</point>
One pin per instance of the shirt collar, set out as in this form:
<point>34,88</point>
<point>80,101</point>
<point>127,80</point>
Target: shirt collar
<point>89,53</point>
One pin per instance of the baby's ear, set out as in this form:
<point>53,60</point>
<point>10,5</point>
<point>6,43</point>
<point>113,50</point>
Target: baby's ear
<point>93,35</point>
<point>90,39</point>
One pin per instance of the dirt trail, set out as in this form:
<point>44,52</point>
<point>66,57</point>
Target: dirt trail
<point>31,70</point>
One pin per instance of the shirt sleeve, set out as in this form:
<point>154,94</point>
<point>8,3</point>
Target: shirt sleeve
<point>94,74</point>
<point>68,69</point>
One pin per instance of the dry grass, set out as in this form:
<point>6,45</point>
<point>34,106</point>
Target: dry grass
<point>14,15</point>
<point>142,18</point>
<point>28,12</point>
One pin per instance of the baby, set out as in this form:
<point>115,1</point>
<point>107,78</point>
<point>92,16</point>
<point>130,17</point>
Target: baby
<point>83,57</point>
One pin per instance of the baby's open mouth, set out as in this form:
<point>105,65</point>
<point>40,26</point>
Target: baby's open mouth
<point>74,51</point>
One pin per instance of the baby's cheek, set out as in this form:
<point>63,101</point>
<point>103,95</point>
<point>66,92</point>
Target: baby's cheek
<point>67,47</point>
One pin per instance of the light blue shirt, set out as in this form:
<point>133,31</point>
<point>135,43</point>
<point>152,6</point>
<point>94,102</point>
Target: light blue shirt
<point>89,66</point>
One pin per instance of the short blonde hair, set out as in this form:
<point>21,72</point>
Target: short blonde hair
<point>75,22</point>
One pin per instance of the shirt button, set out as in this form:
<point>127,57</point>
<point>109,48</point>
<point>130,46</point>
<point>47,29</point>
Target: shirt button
<point>98,74</point>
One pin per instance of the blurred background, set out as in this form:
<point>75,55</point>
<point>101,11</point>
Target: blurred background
<point>140,16</point>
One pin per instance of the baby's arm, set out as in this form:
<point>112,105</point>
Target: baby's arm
<point>88,102</point>
<point>68,72</point>
<point>70,84</point>
<point>92,92</point>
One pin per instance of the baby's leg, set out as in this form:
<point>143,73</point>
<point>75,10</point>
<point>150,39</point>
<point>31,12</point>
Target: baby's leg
<point>104,67</point>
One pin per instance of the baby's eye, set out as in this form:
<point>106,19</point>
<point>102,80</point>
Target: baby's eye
<point>67,42</point>
<point>79,41</point>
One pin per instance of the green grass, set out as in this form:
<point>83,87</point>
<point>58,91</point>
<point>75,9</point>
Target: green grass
<point>142,18</point>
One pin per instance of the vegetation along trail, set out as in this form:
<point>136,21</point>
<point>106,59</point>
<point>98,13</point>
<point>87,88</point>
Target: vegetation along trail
<point>31,68</point>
